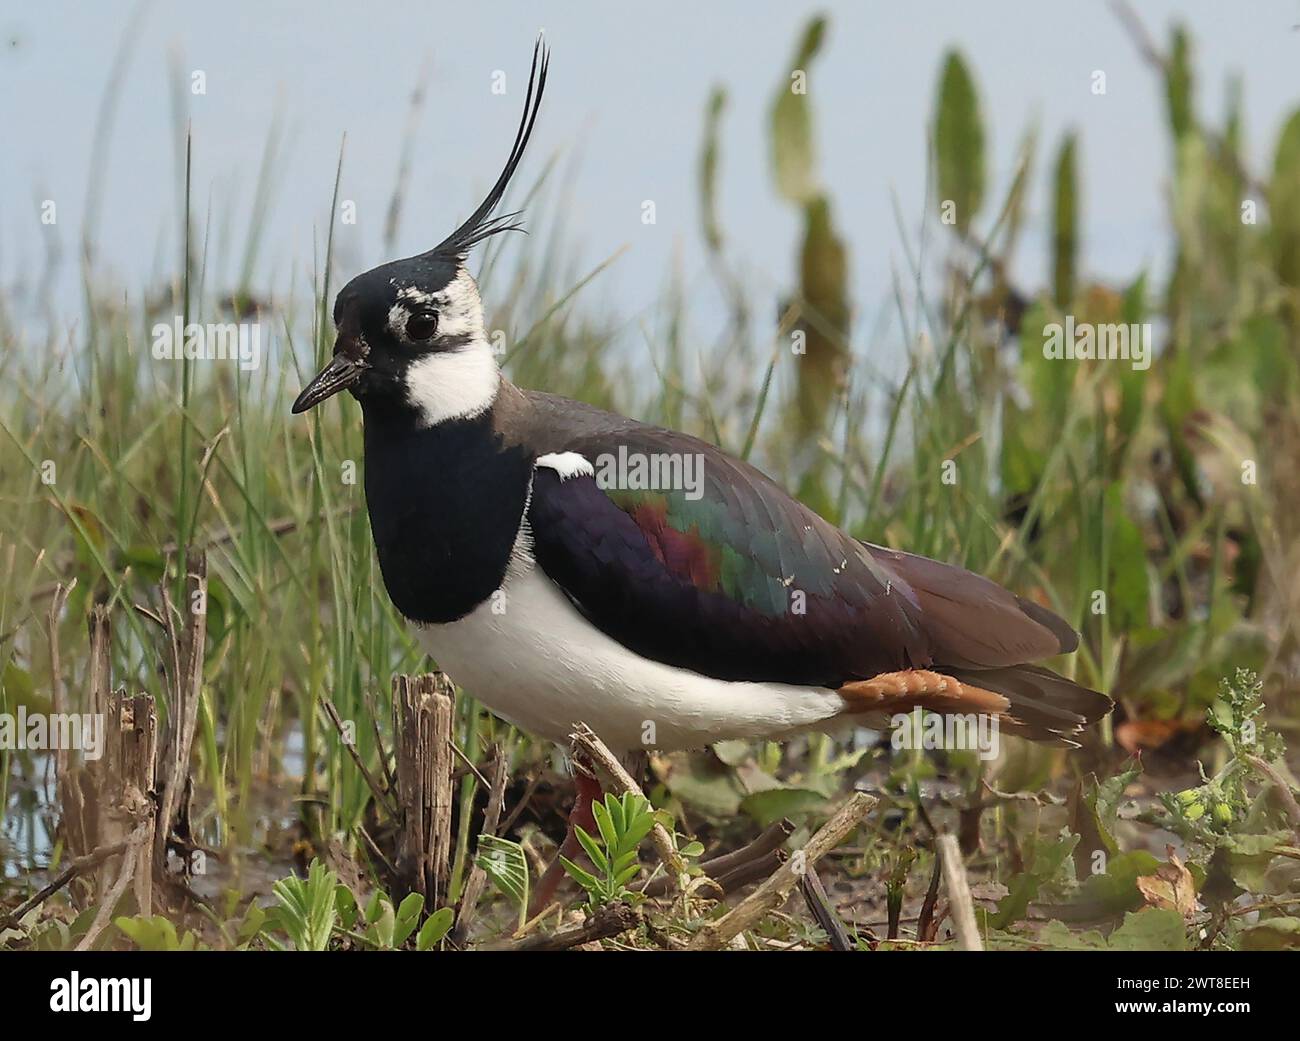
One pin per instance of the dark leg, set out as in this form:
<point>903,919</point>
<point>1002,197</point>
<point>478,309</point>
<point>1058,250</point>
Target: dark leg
<point>588,790</point>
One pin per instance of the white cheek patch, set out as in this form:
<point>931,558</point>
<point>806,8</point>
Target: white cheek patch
<point>453,384</point>
<point>567,464</point>
<point>461,380</point>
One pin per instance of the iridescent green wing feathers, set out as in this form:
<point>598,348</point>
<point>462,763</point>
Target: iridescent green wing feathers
<point>722,572</point>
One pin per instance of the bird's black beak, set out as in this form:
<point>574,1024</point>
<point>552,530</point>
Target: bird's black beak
<point>338,375</point>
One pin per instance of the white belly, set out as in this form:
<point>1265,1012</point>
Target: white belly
<point>530,657</point>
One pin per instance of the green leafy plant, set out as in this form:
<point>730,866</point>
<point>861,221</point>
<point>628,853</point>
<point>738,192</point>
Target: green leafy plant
<point>156,933</point>
<point>310,912</point>
<point>1210,810</point>
<point>506,865</point>
<point>387,928</point>
<point>622,824</point>
<point>306,909</point>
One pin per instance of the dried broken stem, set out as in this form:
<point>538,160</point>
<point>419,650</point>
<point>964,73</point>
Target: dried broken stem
<point>776,890</point>
<point>961,904</point>
<point>610,920</point>
<point>727,868</point>
<point>78,866</point>
<point>130,863</point>
<point>819,905</point>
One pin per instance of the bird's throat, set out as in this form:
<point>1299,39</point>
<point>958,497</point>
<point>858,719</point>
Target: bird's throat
<point>445,505</point>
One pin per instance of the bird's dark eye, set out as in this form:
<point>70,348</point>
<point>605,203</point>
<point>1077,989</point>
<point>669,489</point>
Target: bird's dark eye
<point>422,325</point>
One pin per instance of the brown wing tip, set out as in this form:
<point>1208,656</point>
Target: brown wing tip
<point>1066,636</point>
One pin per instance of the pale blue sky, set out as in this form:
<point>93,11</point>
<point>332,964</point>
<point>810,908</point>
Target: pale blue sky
<point>625,105</point>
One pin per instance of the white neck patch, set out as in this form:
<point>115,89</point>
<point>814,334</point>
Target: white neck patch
<point>455,384</point>
<point>459,382</point>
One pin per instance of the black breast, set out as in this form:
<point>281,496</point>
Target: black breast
<point>445,506</point>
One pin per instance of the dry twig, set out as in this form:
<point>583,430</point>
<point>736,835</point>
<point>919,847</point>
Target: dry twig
<point>961,904</point>
<point>728,868</point>
<point>135,844</point>
<point>819,904</point>
<point>76,867</point>
<point>774,892</point>
<point>610,920</point>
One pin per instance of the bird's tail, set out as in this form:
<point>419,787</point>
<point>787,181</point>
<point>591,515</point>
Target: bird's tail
<point>1027,700</point>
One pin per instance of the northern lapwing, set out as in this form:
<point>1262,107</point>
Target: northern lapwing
<point>563,563</point>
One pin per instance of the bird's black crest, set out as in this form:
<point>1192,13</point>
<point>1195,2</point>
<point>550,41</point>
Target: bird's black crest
<point>481,224</point>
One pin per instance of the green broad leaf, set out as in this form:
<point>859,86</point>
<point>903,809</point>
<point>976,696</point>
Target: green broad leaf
<point>408,917</point>
<point>505,863</point>
<point>622,863</point>
<point>1129,587</point>
<point>410,908</point>
<point>1058,937</point>
<point>345,903</point>
<point>1116,889</point>
<point>708,175</point>
<point>1153,929</point>
<point>634,807</point>
<point>586,879</point>
<point>254,921</point>
<point>638,830</point>
<point>1284,203</point>
<point>1047,859</point>
<point>614,805</point>
<point>827,314</point>
<point>383,928</point>
<point>1065,222</point>
<point>1178,84</point>
<point>705,786</point>
<point>733,753</point>
<point>147,563</point>
<point>774,803</point>
<point>794,158</point>
<point>959,142</point>
<point>1274,934</point>
<point>593,850</point>
<point>17,689</point>
<point>1253,865</point>
<point>608,821</point>
<point>434,929</point>
<point>1096,812</point>
<point>155,933</point>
